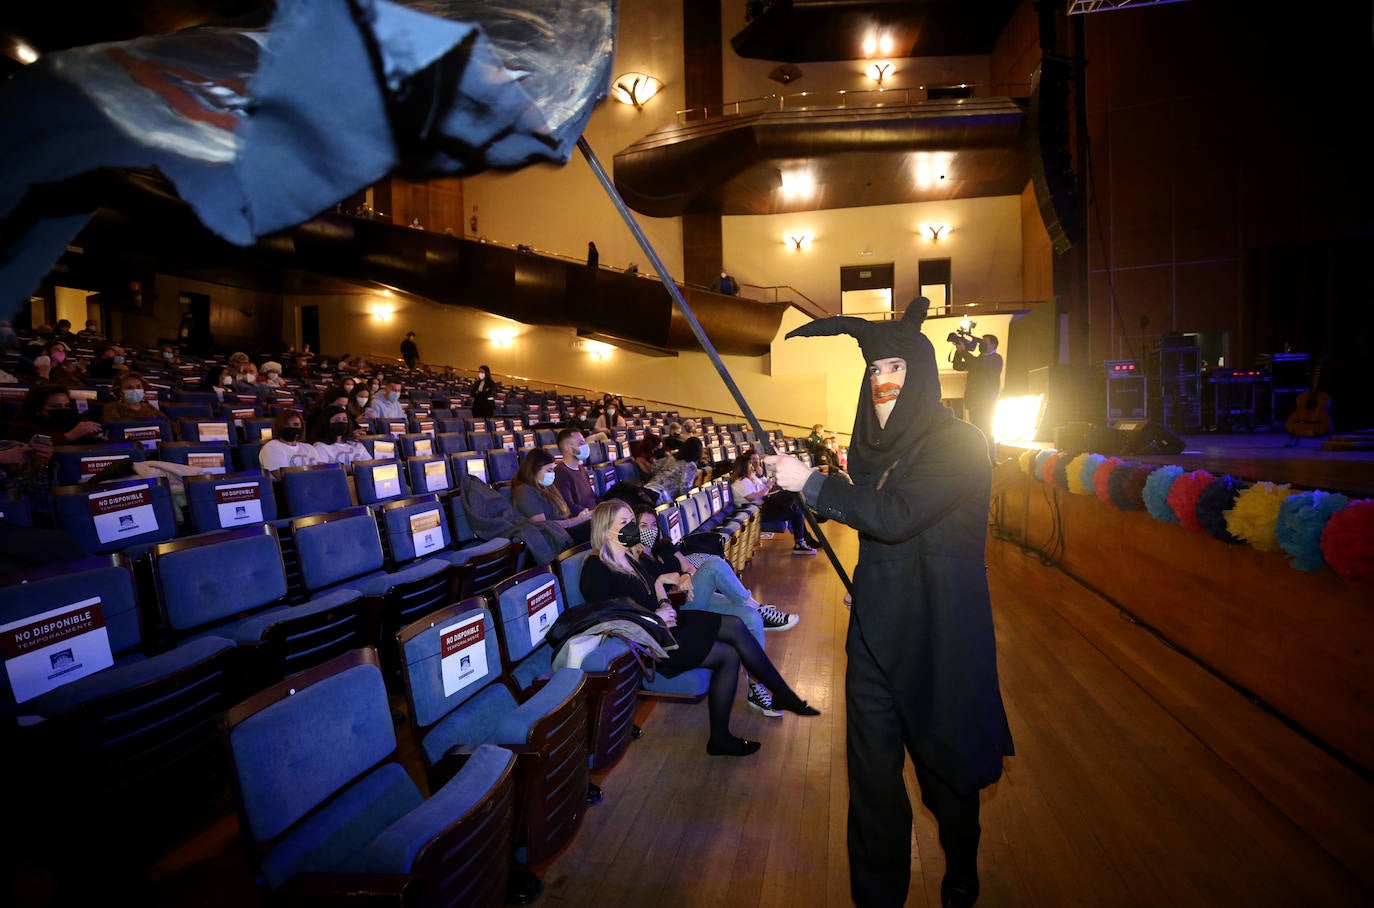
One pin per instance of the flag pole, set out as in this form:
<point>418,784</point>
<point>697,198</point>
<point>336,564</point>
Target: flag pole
<point>764,438</point>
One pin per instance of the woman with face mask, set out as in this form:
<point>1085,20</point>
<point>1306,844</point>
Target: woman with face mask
<point>130,402</point>
<point>620,568</point>
<point>334,433</point>
<point>611,418</point>
<point>483,391</point>
<point>535,496</point>
<point>218,378</point>
<point>288,447</point>
<point>47,411</point>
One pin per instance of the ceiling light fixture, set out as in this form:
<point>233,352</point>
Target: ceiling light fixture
<point>635,89</point>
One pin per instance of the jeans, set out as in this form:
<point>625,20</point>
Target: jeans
<point>717,588</point>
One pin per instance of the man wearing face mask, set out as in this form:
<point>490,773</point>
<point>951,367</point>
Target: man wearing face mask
<point>571,477</point>
<point>130,403</point>
<point>922,665</point>
<point>387,403</point>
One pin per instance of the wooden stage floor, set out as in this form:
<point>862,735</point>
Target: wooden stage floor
<point>1131,785</point>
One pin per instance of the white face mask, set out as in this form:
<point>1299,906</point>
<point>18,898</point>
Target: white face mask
<point>133,396</point>
<point>546,478</point>
<point>227,381</point>
<point>584,452</point>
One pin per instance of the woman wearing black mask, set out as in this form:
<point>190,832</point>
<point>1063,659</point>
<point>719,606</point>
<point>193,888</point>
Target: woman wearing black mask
<point>288,447</point>
<point>619,568</point>
<point>335,434</point>
<point>47,410</point>
<point>483,404</point>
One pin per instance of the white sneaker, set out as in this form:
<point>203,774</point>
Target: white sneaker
<point>762,700</point>
<point>775,619</point>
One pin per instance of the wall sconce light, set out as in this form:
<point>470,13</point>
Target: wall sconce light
<point>635,89</point>
<point>935,230</point>
<point>798,240</point>
<point>596,350</point>
<point>503,340</point>
<point>383,312</point>
<point>879,71</point>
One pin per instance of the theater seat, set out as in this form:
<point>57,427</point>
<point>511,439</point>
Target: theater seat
<point>462,700</point>
<point>332,816</point>
<point>119,516</point>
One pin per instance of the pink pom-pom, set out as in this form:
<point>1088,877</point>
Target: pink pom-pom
<point>1101,477</point>
<point>1183,496</point>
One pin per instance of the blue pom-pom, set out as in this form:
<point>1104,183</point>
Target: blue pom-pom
<point>1302,517</point>
<point>1216,499</point>
<point>1040,462</point>
<point>1089,471</point>
<point>1156,493</point>
<point>1116,485</point>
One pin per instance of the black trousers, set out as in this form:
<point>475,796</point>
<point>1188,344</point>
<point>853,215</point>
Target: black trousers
<point>880,812</point>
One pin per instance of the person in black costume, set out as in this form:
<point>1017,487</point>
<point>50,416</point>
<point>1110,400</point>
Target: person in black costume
<point>483,406</point>
<point>922,661</point>
<point>983,385</point>
<point>619,568</point>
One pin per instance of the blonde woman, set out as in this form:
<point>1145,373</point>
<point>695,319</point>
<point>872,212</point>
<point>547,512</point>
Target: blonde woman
<point>620,569</point>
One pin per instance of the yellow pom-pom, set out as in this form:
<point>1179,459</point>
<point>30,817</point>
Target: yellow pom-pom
<point>1255,514</point>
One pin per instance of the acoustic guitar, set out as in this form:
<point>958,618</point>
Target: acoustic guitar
<point>1311,416</point>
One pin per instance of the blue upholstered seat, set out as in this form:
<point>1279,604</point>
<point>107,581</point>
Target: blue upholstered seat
<point>124,516</point>
<point>321,791</point>
<point>457,704</point>
<point>221,502</point>
<point>379,480</point>
<point>316,489</point>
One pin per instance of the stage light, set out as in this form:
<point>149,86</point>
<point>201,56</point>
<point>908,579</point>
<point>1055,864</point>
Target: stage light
<point>1018,418</point>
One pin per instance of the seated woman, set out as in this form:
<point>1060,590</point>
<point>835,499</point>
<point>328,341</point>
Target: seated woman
<point>334,433</point>
<point>677,474</point>
<point>720,643</point>
<point>47,412</point>
<point>610,420</point>
<point>712,584</point>
<point>129,404</point>
<point>646,454</point>
<point>287,447</point>
<point>748,483</point>
<point>220,379</point>
<point>535,496</point>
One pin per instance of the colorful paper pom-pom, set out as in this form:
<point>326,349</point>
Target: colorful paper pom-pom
<point>1081,479</point>
<point>1156,493</point>
<point>1213,505</point>
<point>1027,461</point>
<point>1048,464</point>
<point>1102,480</point>
<point>1348,543</point>
<point>1061,469</point>
<point>1302,517</point>
<point>1255,515</point>
<point>1183,496</point>
<point>1133,486</point>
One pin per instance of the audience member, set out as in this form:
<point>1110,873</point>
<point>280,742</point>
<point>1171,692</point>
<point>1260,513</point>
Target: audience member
<point>271,375</point>
<point>646,454</point>
<point>246,383</point>
<point>611,419</point>
<point>47,411</point>
<point>108,362</point>
<point>712,584</point>
<point>130,391</point>
<point>571,478</point>
<point>300,368</point>
<point>91,332</point>
<point>387,404</point>
<point>483,391</point>
<point>725,283</point>
<point>580,420</point>
<point>619,569</point>
<point>218,379</point>
<point>287,447</point>
<point>534,495</point>
<point>749,483</point>
<point>673,440</point>
<point>335,434</point>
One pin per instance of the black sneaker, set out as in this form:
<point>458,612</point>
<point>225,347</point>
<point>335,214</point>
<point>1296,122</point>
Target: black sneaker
<point>762,700</point>
<point>802,548</point>
<point>775,619</point>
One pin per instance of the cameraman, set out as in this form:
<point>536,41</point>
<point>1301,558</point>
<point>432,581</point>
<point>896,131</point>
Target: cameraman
<point>984,382</point>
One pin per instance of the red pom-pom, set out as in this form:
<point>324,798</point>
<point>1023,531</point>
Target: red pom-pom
<point>1183,496</point>
<point>1100,478</point>
<point>1348,543</point>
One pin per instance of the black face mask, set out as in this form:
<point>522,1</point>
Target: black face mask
<point>335,431</point>
<point>628,535</point>
<point>63,419</point>
<point>290,433</point>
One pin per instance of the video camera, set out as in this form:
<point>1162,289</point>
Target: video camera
<point>963,336</point>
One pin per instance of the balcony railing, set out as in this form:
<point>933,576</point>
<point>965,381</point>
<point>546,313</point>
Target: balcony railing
<point>860,99</point>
